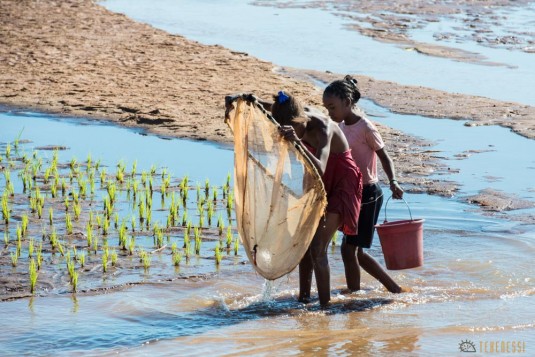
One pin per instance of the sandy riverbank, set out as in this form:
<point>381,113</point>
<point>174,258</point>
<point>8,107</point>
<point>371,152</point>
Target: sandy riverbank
<point>76,58</point>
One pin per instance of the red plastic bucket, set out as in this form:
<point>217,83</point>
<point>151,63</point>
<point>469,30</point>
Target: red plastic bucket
<point>402,242</point>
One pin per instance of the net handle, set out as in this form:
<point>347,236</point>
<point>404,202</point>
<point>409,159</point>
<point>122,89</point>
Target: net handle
<point>386,204</point>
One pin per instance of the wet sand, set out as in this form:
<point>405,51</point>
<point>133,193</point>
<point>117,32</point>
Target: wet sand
<point>76,58</point>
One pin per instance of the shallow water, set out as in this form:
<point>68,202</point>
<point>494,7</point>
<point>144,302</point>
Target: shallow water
<point>476,284</point>
<point>316,39</point>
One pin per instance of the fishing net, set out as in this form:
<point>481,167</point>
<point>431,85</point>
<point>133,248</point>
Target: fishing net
<point>279,196</point>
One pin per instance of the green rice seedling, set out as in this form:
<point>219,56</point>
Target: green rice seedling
<point>10,189</point>
<point>220,225</point>
<point>119,176</point>
<point>7,176</point>
<point>35,172</point>
<point>40,210</point>
<point>40,256</point>
<point>75,197</point>
<point>68,223</point>
<point>150,188</point>
<point>8,151</point>
<point>46,175</point>
<point>83,188</point>
<point>54,238</point>
<point>207,187</point>
<point>70,264</point>
<point>99,221</point>
<point>198,240</point>
<point>134,168</point>
<point>184,218</point>
<point>107,207</point>
<point>210,212</point>
<point>201,220</point>
<point>81,259</point>
<point>60,249</point>
<point>198,190</point>
<point>73,164</point>
<point>74,253</point>
<point>131,245</point>
<point>5,209</point>
<point>63,187</point>
<point>114,257</point>
<point>217,253</point>
<point>123,236</point>
<point>30,248</point>
<point>153,170</point>
<point>236,245</point>
<point>77,211</point>
<point>148,220</point>
<point>24,224</point>
<point>146,261</point>
<point>74,281</point>
<point>105,261</point>
<point>19,247</point>
<point>214,192</point>
<point>177,258</point>
<point>6,238</point>
<point>105,226</point>
<point>158,236</point>
<point>19,232</point>
<point>186,237</point>
<point>97,164</point>
<point>54,189</point>
<point>89,234</point>
<point>187,250</point>
<point>95,244</point>
<point>14,259</point>
<point>142,211</point>
<point>230,238</point>
<point>66,203</point>
<point>50,215</point>
<point>88,161</point>
<point>116,220</point>
<point>144,178</point>
<point>174,248</point>
<point>33,275</point>
<point>102,177</point>
<point>133,223</point>
<point>230,201</point>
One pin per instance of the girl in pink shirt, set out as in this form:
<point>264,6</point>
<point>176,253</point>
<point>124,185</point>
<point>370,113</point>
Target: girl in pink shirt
<point>340,98</point>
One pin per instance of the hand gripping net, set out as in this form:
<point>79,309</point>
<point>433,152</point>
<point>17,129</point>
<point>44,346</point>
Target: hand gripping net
<point>279,195</point>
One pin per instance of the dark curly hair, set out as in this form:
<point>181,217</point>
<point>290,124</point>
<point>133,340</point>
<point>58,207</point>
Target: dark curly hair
<point>286,108</point>
<point>346,88</point>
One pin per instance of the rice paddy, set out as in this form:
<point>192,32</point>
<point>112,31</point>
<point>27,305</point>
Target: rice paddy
<point>79,226</point>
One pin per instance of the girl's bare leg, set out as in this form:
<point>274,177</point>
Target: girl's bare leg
<point>316,258</point>
<point>376,270</point>
<point>305,277</point>
<point>351,266</point>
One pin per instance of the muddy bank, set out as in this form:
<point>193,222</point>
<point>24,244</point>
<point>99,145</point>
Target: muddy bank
<point>76,58</point>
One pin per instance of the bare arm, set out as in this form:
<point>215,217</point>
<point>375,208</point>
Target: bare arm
<point>322,136</point>
<point>388,167</point>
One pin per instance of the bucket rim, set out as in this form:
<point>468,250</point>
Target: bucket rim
<point>401,222</point>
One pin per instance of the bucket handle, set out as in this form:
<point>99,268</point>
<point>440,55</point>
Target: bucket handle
<point>386,204</point>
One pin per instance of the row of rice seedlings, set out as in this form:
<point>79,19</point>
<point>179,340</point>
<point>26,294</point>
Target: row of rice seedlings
<point>148,197</point>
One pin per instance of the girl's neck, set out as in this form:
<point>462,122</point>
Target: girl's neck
<point>352,118</point>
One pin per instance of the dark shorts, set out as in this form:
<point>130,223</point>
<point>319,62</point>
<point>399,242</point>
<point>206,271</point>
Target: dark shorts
<point>372,200</point>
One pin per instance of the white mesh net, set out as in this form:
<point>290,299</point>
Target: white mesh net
<point>279,196</point>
